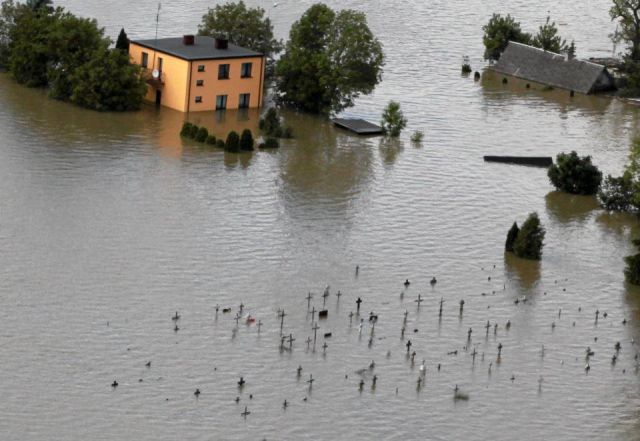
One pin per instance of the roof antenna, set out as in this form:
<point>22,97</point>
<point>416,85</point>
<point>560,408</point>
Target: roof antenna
<point>156,40</point>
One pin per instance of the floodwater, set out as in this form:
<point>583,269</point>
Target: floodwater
<point>111,223</point>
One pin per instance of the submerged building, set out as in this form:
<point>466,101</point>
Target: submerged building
<point>192,74</point>
<point>551,69</point>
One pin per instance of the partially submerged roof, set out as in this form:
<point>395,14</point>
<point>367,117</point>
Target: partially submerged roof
<point>359,126</point>
<point>203,49</point>
<point>534,64</point>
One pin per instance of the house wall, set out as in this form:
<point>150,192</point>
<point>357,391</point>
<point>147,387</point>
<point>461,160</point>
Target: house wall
<point>232,87</point>
<point>180,78</point>
<point>604,82</point>
<point>175,73</point>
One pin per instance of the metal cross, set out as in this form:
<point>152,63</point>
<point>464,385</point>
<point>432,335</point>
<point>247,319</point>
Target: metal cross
<point>315,328</point>
<point>291,340</point>
<point>245,413</point>
<point>259,325</point>
<point>420,300</point>
<point>281,316</point>
<point>309,297</point>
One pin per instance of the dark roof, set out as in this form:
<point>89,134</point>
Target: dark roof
<point>203,49</point>
<point>360,126</point>
<point>534,64</point>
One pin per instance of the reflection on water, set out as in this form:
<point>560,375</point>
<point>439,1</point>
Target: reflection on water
<point>622,224</point>
<point>525,271</point>
<point>390,149</point>
<point>566,207</point>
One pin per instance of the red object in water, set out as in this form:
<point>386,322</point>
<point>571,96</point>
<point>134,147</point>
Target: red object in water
<point>251,320</point>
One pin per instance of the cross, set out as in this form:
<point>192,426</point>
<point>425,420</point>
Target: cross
<point>281,316</point>
<point>282,339</point>
<point>324,296</point>
<point>315,328</point>
<point>487,326</point>
<point>350,318</point>
<point>313,313</point>
<point>469,334</point>
<point>338,294</point>
<point>473,354</point>
<point>495,328</point>
<point>308,342</point>
<point>420,300</point>
<point>461,305</point>
<point>241,306</point>
<point>310,380</point>
<point>441,302</point>
<point>259,325</point>
<point>291,340</point>
<point>237,318</point>
<point>358,303</point>
<point>245,413</point>
<point>408,346</point>
<point>499,349</point>
<point>309,296</point>
<point>324,347</point>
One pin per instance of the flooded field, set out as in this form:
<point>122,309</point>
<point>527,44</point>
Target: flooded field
<point>109,224</point>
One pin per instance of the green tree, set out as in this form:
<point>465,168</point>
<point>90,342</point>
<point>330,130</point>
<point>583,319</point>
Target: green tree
<point>330,59</point>
<point>108,82</point>
<point>573,174</point>
<point>498,32</point>
<point>186,129</point>
<point>247,27</point>
<point>530,239</point>
<point>246,140</point>
<point>233,142</point>
<point>627,14</point>
<point>512,235</point>
<point>616,193</point>
<point>393,120</point>
<point>38,5</point>
<point>548,39</point>
<point>571,50</point>
<point>29,49</point>
<point>122,42</point>
<point>8,12</point>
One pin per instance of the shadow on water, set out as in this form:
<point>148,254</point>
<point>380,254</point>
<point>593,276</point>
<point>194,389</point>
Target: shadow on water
<point>526,272</point>
<point>565,207</point>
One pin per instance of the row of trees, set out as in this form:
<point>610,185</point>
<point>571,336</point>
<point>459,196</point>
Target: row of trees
<point>234,142</point>
<point>500,30</point>
<point>51,48</point>
<point>330,59</point>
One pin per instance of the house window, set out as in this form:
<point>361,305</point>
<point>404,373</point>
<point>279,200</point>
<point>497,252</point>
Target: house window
<point>223,72</point>
<point>221,102</point>
<point>198,99</point>
<point>246,70</point>
<point>243,103</point>
<point>145,60</point>
<point>200,83</point>
<point>201,68</point>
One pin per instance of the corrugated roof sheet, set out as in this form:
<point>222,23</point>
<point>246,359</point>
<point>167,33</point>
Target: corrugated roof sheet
<point>203,49</point>
<point>533,64</point>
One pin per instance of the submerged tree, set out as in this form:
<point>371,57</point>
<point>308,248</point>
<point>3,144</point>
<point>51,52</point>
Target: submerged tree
<point>632,271</point>
<point>393,120</point>
<point>548,39</point>
<point>616,193</point>
<point>499,32</point>
<point>627,14</point>
<point>574,174</point>
<point>246,27</point>
<point>330,59</point>
<point>512,235</point>
<point>530,239</point>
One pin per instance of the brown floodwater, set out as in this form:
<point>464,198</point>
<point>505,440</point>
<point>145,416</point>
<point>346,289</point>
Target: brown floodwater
<point>109,223</point>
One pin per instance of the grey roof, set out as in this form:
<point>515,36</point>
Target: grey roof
<point>359,126</point>
<point>534,64</point>
<point>203,49</point>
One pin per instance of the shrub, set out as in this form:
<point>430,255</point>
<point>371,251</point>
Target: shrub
<point>233,142</point>
<point>194,131</point>
<point>270,143</point>
<point>287,133</point>
<point>417,137</point>
<point>220,143</point>
<point>512,235</point>
<point>573,174</point>
<point>393,120</point>
<point>211,140</point>
<point>246,140</point>
<point>616,194</point>
<point>466,68</point>
<point>186,129</point>
<point>530,239</point>
<point>270,122</point>
<point>202,134</point>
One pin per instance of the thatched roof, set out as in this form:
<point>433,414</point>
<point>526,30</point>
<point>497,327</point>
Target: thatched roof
<point>533,64</point>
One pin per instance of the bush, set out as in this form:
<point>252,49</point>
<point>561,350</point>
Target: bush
<point>220,143</point>
<point>233,142</point>
<point>211,140</point>
<point>573,174</point>
<point>393,120</point>
<point>186,129</point>
<point>194,131</point>
<point>616,194</point>
<point>202,134</point>
<point>246,140</point>
<point>417,137</point>
<point>287,133</point>
<point>466,68</point>
<point>512,235</point>
<point>270,143</point>
<point>530,239</point>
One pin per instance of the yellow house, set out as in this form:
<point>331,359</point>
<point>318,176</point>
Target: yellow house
<point>193,74</point>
